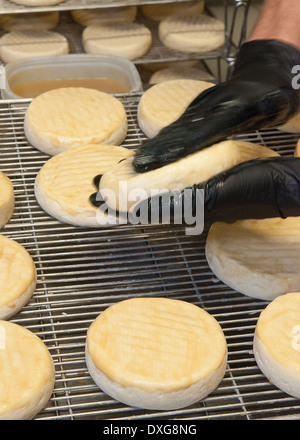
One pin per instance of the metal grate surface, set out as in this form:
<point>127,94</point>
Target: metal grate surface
<point>82,271</point>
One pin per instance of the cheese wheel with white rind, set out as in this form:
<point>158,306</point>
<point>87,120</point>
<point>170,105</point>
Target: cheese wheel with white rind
<point>123,187</point>
<point>190,32</point>
<point>16,45</point>
<point>159,12</point>
<point>129,40</point>
<point>16,286</point>
<point>276,343</point>
<point>165,102</point>
<point>65,182</point>
<point>86,17</point>
<point>26,373</point>
<point>258,258</point>
<point>156,353</point>
<point>175,73</point>
<point>34,20</point>
<point>7,199</point>
<point>65,118</point>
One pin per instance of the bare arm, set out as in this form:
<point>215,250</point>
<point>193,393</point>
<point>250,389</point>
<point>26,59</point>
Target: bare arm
<point>279,20</point>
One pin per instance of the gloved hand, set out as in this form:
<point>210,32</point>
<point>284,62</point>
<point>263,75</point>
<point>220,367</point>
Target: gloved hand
<point>259,94</point>
<point>256,189</point>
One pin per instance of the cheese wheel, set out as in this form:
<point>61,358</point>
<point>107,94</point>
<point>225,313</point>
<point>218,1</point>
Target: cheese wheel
<point>37,2</point>
<point>291,126</point>
<point>34,20</point>
<point>129,40</point>
<point>16,286</point>
<point>165,102</point>
<point>297,149</point>
<point>121,14</point>
<point>65,182</point>
<point>156,353</point>
<point>16,45</point>
<point>159,12</point>
<point>190,32</point>
<point>175,73</point>
<point>259,258</point>
<point>64,118</point>
<point>26,373</point>
<point>276,343</point>
<point>123,187</point>
<point>7,199</point>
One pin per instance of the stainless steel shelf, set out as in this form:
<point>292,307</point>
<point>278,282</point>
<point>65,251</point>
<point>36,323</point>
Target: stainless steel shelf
<point>81,271</point>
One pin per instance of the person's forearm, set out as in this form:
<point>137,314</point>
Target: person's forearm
<point>279,20</point>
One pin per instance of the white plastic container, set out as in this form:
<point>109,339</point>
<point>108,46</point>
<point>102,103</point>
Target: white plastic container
<point>66,67</point>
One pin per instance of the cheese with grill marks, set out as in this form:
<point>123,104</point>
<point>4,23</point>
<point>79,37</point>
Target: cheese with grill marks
<point>163,103</point>
<point>26,373</point>
<point>65,182</point>
<point>259,258</point>
<point>17,277</point>
<point>124,187</point>
<point>156,353</point>
<point>68,117</point>
<point>276,343</point>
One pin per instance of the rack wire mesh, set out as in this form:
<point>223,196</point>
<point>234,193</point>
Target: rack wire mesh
<point>81,271</point>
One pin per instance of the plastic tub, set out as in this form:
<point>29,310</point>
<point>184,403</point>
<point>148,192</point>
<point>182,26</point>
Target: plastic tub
<point>69,66</point>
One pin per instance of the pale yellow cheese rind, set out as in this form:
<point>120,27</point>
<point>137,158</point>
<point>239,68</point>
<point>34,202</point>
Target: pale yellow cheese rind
<point>34,20</point>
<point>17,272</point>
<point>164,102</point>
<point>65,182</point>
<point>156,344</point>
<point>26,371</point>
<point>68,117</point>
<point>259,258</point>
<point>121,14</point>
<point>7,199</point>
<point>123,180</point>
<point>159,12</point>
<point>278,328</point>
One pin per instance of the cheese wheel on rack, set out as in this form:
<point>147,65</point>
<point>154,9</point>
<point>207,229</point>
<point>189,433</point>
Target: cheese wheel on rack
<point>291,126</point>
<point>37,2</point>
<point>175,73</point>
<point>16,286</point>
<point>7,199</point>
<point>156,353</point>
<point>163,103</point>
<point>16,45</point>
<point>276,343</point>
<point>123,187</point>
<point>34,20</point>
<point>86,17</point>
<point>158,12</point>
<point>129,40</point>
<point>190,32</point>
<point>65,118</point>
<point>27,373</point>
<point>259,258</point>
<point>65,182</point>
<point>297,149</point>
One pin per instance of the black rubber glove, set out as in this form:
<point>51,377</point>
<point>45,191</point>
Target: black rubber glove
<point>256,189</point>
<point>259,94</point>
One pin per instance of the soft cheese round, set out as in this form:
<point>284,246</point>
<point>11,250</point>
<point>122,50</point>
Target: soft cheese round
<point>16,286</point>
<point>123,187</point>
<point>26,373</point>
<point>156,353</point>
<point>65,182</point>
<point>7,199</point>
<point>129,40</point>
<point>259,258</point>
<point>175,73</point>
<point>190,32</point>
<point>159,12</point>
<point>68,117</point>
<point>276,343</point>
<point>16,45</point>
<point>164,102</point>
<point>34,20</point>
<point>121,14</point>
